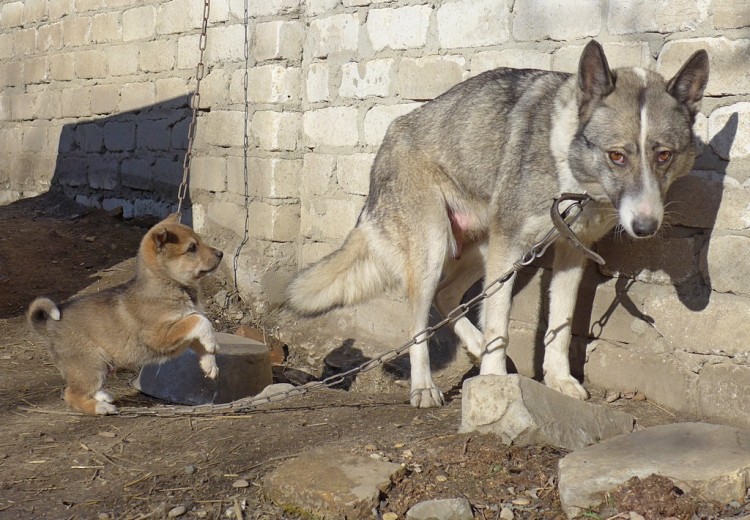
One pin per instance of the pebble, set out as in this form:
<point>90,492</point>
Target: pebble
<point>639,397</point>
<point>506,514</point>
<point>240,483</point>
<point>109,435</point>
<point>103,516</point>
<point>407,454</point>
<point>635,516</point>
<point>441,478</point>
<point>390,516</point>
<point>611,398</point>
<point>189,469</point>
<point>521,501</point>
<point>177,511</point>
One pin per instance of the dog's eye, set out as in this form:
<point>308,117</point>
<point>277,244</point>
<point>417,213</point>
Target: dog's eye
<point>192,248</point>
<point>664,156</point>
<point>618,158</point>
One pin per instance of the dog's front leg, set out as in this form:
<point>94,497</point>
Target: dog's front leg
<point>567,272</point>
<point>196,331</point>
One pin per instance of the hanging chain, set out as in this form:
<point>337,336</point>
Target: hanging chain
<point>245,148</point>
<point>574,210</point>
<point>195,101</point>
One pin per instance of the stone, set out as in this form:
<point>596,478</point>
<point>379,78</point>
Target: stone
<point>274,84</point>
<point>353,172</point>
<point>445,509</point>
<point>522,411</point>
<point>276,131</point>
<point>721,394</point>
<point>138,23</point>
<point>365,79</point>
<point>276,392</point>
<point>329,219</point>
<point>279,40</point>
<point>429,76</point>
<point>157,56</point>
<point>721,262</point>
<point>379,118</point>
<point>729,131</point>
<point>177,511</point>
<point>225,44</point>
<point>707,460</point>
<point>331,126</point>
<point>333,34</point>
<point>330,483</point>
<point>136,96</point>
<point>730,14</point>
<point>244,370</point>
<point>316,84</point>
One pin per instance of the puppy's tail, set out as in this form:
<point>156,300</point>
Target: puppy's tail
<point>347,276</point>
<point>40,312</point>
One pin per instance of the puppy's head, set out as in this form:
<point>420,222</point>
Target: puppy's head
<point>176,252</point>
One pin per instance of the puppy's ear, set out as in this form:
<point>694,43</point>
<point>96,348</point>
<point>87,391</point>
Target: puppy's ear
<point>595,80</point>
<point>688,84</point>
<point>160,236</point>
<point>173,217</point>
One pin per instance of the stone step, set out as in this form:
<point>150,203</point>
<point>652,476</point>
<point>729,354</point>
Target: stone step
<point>709,460</point>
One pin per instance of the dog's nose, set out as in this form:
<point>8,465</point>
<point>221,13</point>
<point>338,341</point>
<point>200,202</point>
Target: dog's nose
<point>219,254</point>
<point>645,226</point>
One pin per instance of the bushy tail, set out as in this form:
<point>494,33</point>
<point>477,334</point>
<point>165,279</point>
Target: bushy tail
<point>41,310</point>
<point>347,276</point>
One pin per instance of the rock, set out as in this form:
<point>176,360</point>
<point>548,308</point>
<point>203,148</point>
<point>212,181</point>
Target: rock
<point>276,391</point>
<point>524,412</point>
<point>189,469</point>
<point>506,513</point>
<point>330,483</point>
<point>709,460</point>
<point>177,511</point>
<point>445,509</point>
<point>240,483</point>
<point>390,516</point>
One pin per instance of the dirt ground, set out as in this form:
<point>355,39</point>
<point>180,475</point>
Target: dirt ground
<point>61,466</point>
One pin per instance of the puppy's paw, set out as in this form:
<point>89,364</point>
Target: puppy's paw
<point>104,397</point>
<point>209,367</point>
<point>427,397</point>
<point>105,409</point>
<point>567,385</point>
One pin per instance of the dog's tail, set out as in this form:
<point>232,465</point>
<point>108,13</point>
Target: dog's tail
<point>40,311</point>
<point>347,276</point>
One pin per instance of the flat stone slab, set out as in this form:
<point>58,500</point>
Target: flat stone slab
<point>443,509</point>
<point>244,370</point>
<point>330,484</point>
<point>710,460</point>
<point>522,411</point>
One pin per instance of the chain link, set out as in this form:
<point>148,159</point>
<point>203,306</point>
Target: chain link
<point>249,403</point>
<point>195,101</point>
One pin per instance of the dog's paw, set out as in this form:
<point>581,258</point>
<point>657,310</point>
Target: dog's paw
<point>567,385</point>
<point>427,398</point>
<point>103,408</point>
<point>209,367</point>
<point>104,397</point>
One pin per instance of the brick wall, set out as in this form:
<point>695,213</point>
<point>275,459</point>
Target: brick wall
<point>94,101</point>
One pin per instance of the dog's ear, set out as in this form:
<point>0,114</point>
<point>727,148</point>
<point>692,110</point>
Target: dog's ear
<point>595,80</point>
<point>172,217</point>
<point>688,84</point>
<point>160,236</point>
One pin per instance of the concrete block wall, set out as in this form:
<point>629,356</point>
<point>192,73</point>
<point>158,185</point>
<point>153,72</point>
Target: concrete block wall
<point>94,101</point>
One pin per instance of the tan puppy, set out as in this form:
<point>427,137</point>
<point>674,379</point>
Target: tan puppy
<point>154,316</point>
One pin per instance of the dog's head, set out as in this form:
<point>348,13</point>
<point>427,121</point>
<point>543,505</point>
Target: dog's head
<point>635,134</point>
<point>176,252</point>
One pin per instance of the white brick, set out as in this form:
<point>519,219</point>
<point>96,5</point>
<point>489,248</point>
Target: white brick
<point>76,102</point>
<point>178,16</point>
<point>11,15</point>
<point>316,85</point>
<point>729,68</point>
<point>168,89</point>
<point>514,58</point>
<point>353,172</point>
<point>77,30</point>
<point>317,174</point>
<point>258,8</point>
<point>279,40</point>
<point>188,52</point>
<point>729,131</point>
<point>134,96</point>
<point>138,23</point>
<point>274,178</point>
<point>49,37</point>
<point>223,128</point>
<point>429,76</point>
<point>379,118</point>
<point>60,8</point>
<point>332,126</point>
<point>5,107</point>
<point>730,14</point>
<point>122,59</point>
<point>153,134</point>
<point>119,136</point>
<point>365,79</point>
<point>316,7</point>
<point>23,106</point>
<point>35,70</point>
<point>472,23</point>
<point>402,28</point>
<point>106,28</point>
<point>91,64</point>
<point>282,221</point>
<point>662,16</point>
<point>276,131</point>
<point>34,10</point>
<point>332,34</point>
<point>34,138</point>
<point>618,55</point>
<point>328,219</point>
<point>569,20</point>
<point>105,99</point>
<point>156,56</point>
<point>274,84</point>
<point>225,44</point>
<point>215,87</point>
<point>208,173</point>
<point>24,42</point>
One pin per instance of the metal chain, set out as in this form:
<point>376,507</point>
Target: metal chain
<point>195,101</point>
<point>246,147</point>
<point>578,203</point>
